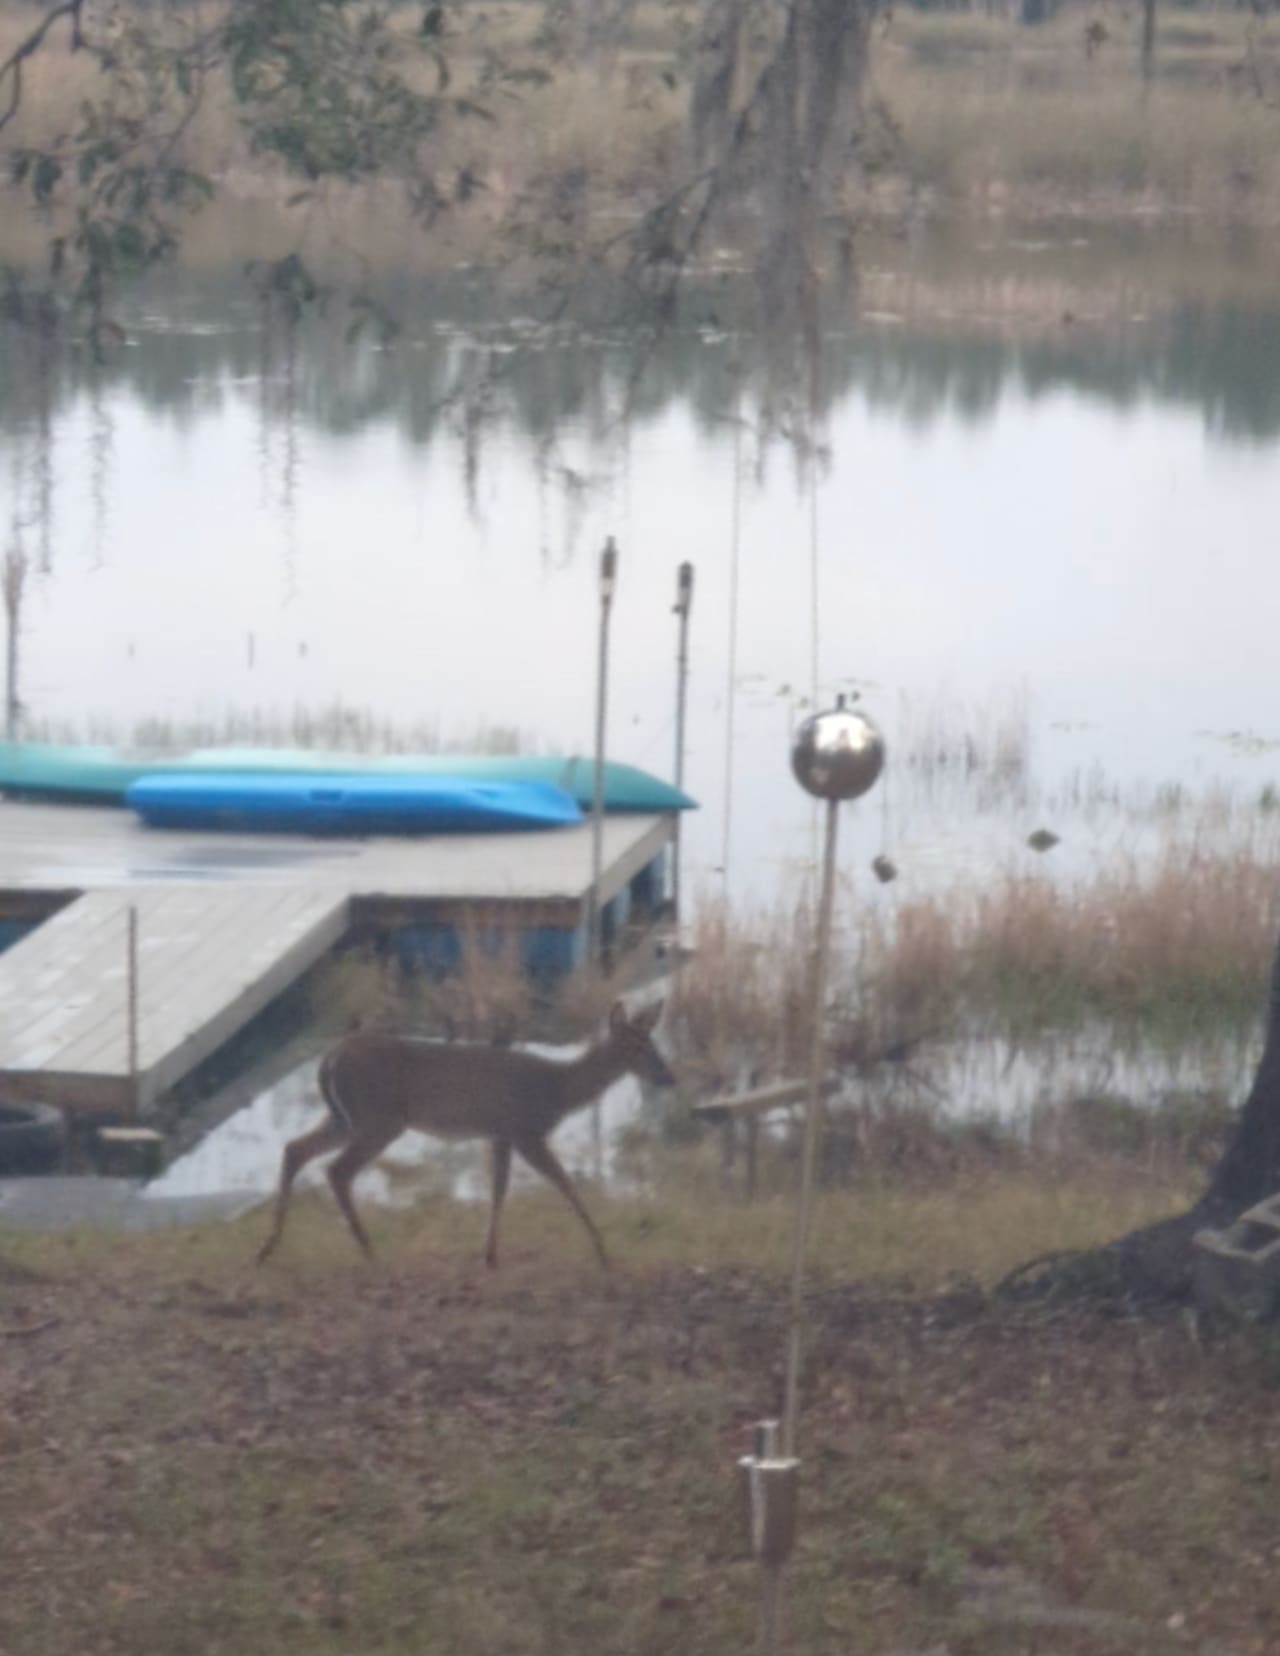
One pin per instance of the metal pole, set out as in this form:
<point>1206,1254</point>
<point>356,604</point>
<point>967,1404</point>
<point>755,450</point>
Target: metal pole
<point>770,1608</point>
<point>684,603</point>
<point>834,756</point>
<point>132,1008</point>
<point>808,1165</point>
<point>608,580</point>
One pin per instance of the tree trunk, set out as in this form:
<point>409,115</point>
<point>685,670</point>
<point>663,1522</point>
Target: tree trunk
<point>1250,1165</point>
<point>1155,1262</point>
<point>1148,41</point>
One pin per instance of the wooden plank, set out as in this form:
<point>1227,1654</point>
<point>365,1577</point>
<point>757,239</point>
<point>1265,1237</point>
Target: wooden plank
<point>206,952</point>
<point>241,952</point>
<point>82,1094</point>
<point>389,913</point>
<point>182,938</point>
<point>99,848</point>
<point>54,977</point>
<point>93,974</point>
<point>241,978</point>
<point>217,958</point>
<point>73,968</point>
<point>323,931</point>
<point>628,862</point>
<point>762,1099</point>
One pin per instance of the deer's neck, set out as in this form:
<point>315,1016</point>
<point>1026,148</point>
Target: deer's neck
<point>584,1079</point>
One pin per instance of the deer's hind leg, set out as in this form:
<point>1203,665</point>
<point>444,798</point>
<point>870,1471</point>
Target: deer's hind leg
<point>343,1169</point>
<point>501,1178</point>
<point>297,1153</point>
<point>543,1159</point>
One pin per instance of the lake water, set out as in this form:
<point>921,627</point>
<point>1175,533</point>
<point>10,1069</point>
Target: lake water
<point>1047,565</point>
<point>1058,554</point>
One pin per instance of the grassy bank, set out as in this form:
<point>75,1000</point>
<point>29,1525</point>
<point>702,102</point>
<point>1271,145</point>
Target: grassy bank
<point>416,1457</point>
<point>1003,120</point>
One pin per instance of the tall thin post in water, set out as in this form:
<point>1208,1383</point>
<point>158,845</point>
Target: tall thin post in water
<point>15,580</point>
<point>608,583</point>
<point>595,950</point>
<point>684,603</point>
<point>731,687</point>
<point>1148,44</point>
<point>131,1006</point>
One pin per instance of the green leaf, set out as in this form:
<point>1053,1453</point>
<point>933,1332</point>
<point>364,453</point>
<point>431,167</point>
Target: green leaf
<point>44,182</point>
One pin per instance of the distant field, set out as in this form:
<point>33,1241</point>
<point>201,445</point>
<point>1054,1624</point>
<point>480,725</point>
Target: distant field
<point>998,118</point>
<point>969,116</point>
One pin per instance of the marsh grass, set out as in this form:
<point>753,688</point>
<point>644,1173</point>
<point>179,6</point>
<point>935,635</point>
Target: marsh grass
<point>943,744</point>
<point>1176,950</point>
<point>1026,122</point>
<point>337,726</point>
<point>1172,949</point>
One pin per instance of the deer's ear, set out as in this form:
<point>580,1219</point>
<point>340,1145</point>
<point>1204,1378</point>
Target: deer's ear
<point>617,1017</point>
<point>647,1019</point>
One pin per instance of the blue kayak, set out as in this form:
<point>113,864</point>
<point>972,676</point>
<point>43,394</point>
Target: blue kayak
<point>343,803</point>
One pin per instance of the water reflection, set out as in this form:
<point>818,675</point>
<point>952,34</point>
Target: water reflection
<point>195,347</point>
<point>242,1154</point>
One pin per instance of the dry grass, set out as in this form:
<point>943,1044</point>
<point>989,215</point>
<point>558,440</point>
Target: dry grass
<point>416,1458</point>
<point>1021,121</point>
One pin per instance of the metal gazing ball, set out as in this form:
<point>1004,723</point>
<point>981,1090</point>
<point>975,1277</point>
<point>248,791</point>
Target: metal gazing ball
<point>837,754</point>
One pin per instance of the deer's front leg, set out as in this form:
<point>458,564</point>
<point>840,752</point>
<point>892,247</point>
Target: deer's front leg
<point>544,1160</point>
<point>501,1176</point>
<point>327,1136</point>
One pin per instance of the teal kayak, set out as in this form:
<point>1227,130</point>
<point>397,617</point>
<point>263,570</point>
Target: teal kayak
<point>103,774</point>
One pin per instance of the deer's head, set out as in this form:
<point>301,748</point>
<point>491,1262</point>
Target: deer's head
<point>633,1038</point>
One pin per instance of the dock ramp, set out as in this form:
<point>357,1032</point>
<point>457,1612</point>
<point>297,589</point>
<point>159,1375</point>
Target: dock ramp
<point>208,960</point>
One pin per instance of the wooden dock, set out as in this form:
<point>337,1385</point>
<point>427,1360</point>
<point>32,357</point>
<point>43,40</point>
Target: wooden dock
<point>225,922</point>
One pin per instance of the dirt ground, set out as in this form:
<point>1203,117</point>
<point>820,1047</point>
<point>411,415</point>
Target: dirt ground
<point>420,1457</point>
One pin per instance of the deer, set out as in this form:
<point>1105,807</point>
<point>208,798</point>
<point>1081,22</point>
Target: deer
<point>379,1085</point>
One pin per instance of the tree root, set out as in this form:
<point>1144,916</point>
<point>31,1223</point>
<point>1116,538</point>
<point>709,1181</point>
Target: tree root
<point>1148,1267</point>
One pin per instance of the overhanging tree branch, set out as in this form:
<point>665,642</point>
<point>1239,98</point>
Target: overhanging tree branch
<point>11,70</point>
